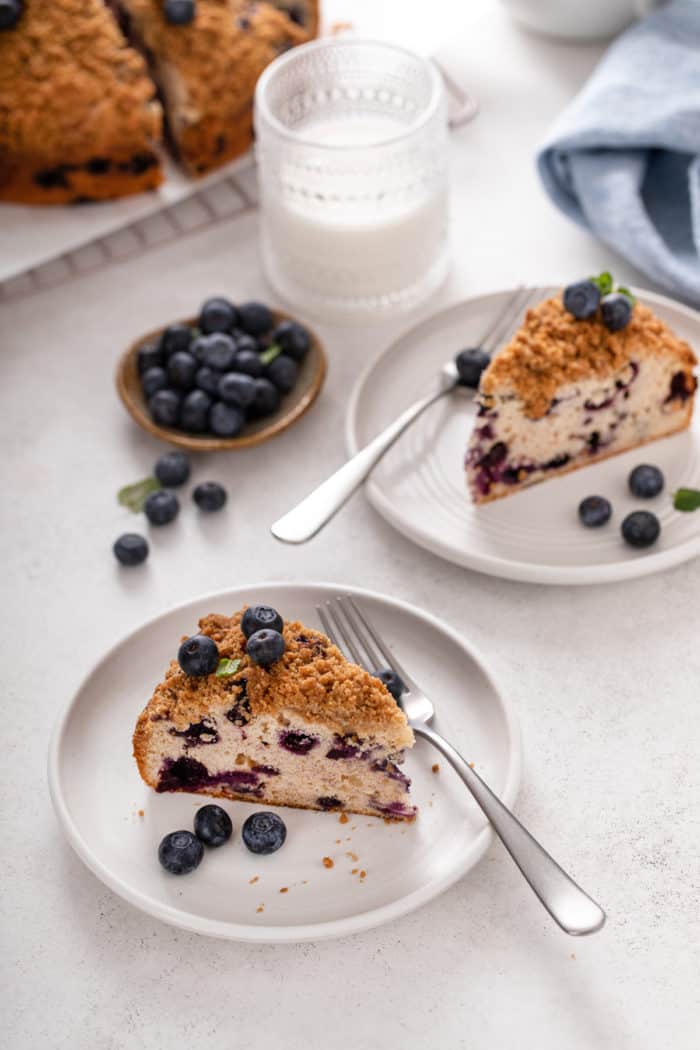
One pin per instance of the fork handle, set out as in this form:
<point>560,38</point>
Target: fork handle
<point>309,516</point>
<point>574,911</point>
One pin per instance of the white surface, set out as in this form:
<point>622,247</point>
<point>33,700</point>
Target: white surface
<point>94,784</point>
<point>534,536</point>
<point>604,679</point>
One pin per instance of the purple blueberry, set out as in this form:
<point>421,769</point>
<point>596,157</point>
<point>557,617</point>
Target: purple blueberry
<point>237,389</point>
<point>594,511</point>
<point>198,656</point>
<point>392,681</point>
<point>645,481</point>
<point>194,415</point>
<point>172,469</point>
<point>641,528</point>
<point>616,311</point>
<point>218,351</point>
<point>164,407</point>
<point>212,826</point>
<point>267,398</point>
<point>265,647</point>
<point>255,318</point>
<point>470,364</point>
<point>248,362</point>
<point>264,833</point>
<point>226,420</point>
<point>292,338</point>
<point>161,507</point>
<point>209,496</point>
<point>175,337</point>
<point>298,743</point>
<point>246,342</point>
<point>260,618</point>
<point>131,549</point>
<point>283,372</point>
<point>148,356</point>
<point>182,368</point>
<point>153,380</point>
<point>10,13</point>
<point>217,315</point>
<point>207,379</point>
<point>180,852</point>
<point>581,299</point>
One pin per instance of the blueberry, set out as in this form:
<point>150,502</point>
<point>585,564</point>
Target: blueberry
<point>172,469</point>
<point>164,407</point>
<point>392,681</point>
<point>594,511</point>
<point>148,356</point>
<point>283,372</point>
<point>237,389</point>
<point>174,338</point>
<point>212,825</point>
<point>10,13</point>
<point>217,315</point>
<point>218,351</point>
<point>264,832</point>
<point>226,420</point>
<point>198,656</point>
<point>182,368</point>
<point>645,481</point>
<point>470,364</point>
<point>581,299</point>
<point>641,528</point>
<point>259,618</point>
<point>130,549</point>
<point>616,310</point>
<point>209,495</point>
<point>179,12</point>
<point>255,318</point>
<point>197,346</point>
<point>248,362</point>
<point>246,342</point>
<point>292,338</point>
<point>265,647</point>
<point>194,416</point>
<point>180,852</point>
<point>267,398</point>
<point>161,507</point>
<point>153,380</point>
<point>207,379</point>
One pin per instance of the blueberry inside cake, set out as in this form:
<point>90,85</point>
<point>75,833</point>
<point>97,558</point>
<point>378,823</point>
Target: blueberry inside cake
<point>277,716</point>
<point>571,390</point>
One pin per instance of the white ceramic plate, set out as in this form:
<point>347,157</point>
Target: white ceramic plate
<point>97,792</point>
<point>420,488</point>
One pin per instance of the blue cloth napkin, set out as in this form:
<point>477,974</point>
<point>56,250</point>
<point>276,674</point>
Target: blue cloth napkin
<point>623,160</point>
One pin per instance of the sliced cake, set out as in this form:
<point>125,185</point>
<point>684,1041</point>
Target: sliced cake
<point>79,117</point>
<point>571,390</point>
<point>292,725</point>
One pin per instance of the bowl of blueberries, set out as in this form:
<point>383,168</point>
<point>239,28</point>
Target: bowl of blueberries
<point>231,377</point>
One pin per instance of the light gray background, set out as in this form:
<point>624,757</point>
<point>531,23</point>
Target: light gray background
<point>605,680</point>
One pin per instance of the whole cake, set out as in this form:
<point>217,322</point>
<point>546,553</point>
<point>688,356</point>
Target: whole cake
<point>308,729</point>
<point>571,390</point>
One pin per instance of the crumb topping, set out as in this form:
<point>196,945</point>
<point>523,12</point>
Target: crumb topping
<point>327,862</point>
<point>552,348</point>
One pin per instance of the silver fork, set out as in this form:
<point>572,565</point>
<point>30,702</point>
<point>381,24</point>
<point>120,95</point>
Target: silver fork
<point>317,509</point>
<point>574,911</point>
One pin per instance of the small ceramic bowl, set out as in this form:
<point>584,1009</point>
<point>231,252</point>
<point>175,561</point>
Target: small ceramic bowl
<point>312,371</point>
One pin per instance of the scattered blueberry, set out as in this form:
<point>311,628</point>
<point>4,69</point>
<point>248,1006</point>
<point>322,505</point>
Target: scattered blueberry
<point>179,12</point>
<point>217,315</point>
<point>594,511</point>
<point>292,338</point>
<point>582,299</point>
<point>130,549</point>
<point>267,398</point>
<point>237,389</point>
<point>283,372</point>
<point>265,647</point>
<point>255,318</point>
<point>264,832</point>
<point>392,681</point>
<point>226,420</point>
<point>194,415</point>
<point>10,13</point>
<point>161,507</point>
<point>615,310</point>
<point>470,364</point>
<point>218,351</point>
<point>198,656</point>
<point>174,338</point>
<point>180,852</point>
<point>209,495</point>
<point>641,528</point>
<point>646,481</point>
<point>153,380</point>
<point>244,341</point>
<point>248,362</point>
<point>182,368</point>
<point>164,407</point>
<point>260,618</point>
<point>172,469</point>
<point>148,356</point>
<point>212,825</point>
<point>207,379</point>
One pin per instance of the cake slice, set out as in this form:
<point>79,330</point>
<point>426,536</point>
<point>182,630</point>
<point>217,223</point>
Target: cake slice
<point>311,730</point>
<point>79,118</point>
<point>565,393</point>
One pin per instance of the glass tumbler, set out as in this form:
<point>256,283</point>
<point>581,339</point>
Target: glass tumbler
<point>351,142</point>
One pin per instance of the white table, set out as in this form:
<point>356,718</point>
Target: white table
<point>605,680</point>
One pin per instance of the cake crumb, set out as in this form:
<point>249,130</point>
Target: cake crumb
<point>251,882</point>
<point>327,862</point>
<point>354,827</point>
<point>305,882</point>
<point>363,874</point>
<point>343,818</point>
<point>470,764</point>
<point>351,855</point>
<point>260,907</point>
<point>141,813</point>
<point>573,955</point>
<point>284,889</point>
<point>338,841</point>
<point>436,767</point>
<point>354,871</point>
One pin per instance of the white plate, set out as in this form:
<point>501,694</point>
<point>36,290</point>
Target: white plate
<point>420,488</point>
<point>97,792</point>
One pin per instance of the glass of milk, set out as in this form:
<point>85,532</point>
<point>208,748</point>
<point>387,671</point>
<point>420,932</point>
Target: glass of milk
<point>351,142</point>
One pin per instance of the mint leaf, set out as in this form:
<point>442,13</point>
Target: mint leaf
<point>687,499</point>
<point>273,351</point>
<point>603,282</point>
<point>627,292</point>
<point>227,667</point>
<point>134,496</point>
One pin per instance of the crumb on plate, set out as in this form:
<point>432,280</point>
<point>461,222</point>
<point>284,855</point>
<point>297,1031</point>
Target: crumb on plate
<point>327,862</point>
<point>435,767</point>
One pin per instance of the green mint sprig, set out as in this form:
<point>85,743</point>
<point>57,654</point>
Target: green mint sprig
<point>134,496</point>
<point>686,499</point>
<point>269,355</point>
<point>603,282</point>
<point>227,667</point>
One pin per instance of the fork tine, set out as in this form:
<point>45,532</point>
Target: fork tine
<point>497,320</point>
<point>327,626</point>
<point>341,628</point>
<point>511,317</point>
<point>388,656</point>
<point>343,603</point>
